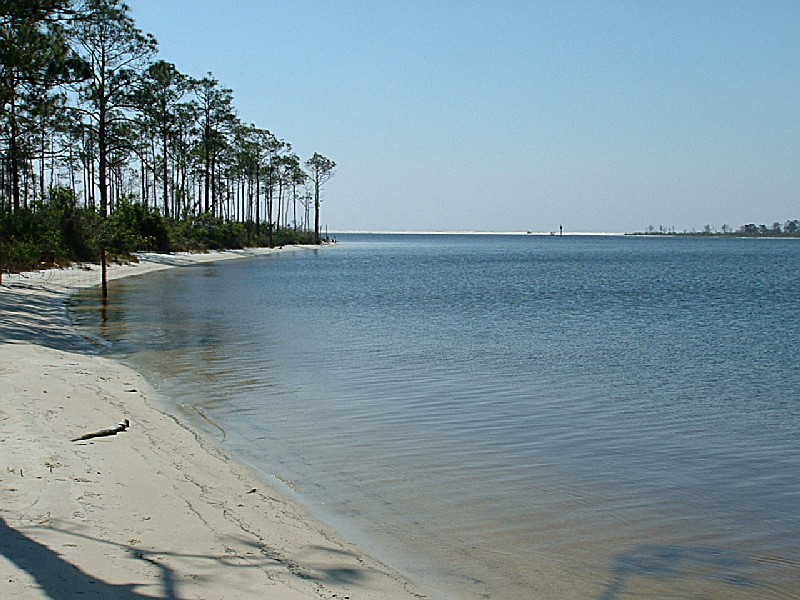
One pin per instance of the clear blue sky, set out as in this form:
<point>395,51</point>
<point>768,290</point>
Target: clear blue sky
<point>512,116</point>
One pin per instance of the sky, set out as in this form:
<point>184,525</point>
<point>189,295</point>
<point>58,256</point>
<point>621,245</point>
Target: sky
<point>527,115</point>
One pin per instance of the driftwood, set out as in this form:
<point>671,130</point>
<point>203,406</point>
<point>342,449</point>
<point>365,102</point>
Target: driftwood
<point>118,428</point>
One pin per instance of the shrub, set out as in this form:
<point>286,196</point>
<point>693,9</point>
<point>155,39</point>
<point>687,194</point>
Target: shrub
<point>133,227</point>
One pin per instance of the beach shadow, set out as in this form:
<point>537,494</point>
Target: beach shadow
<point>35,318</point>
<point>341,574</point>
<point>60,579</point>
<point>166,259</point>
<point>324,573</point>
<point>665,565</point>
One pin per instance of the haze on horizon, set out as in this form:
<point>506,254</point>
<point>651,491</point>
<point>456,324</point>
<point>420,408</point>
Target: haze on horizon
<point>514,116</point>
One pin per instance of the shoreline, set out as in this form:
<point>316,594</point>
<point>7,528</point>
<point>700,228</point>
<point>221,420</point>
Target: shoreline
<point>156,511</point>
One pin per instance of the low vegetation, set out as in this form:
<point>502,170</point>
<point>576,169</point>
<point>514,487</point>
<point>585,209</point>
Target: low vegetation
<point>60,232</point>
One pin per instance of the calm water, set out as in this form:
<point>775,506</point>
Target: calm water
<point>507,416</point>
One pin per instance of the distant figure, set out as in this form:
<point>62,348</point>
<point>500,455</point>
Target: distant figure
<point>560,230</point>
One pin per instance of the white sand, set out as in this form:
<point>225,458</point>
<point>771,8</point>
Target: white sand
<point>154,512</point>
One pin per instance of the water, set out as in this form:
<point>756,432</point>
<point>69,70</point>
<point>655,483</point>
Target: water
<point>506,416</point>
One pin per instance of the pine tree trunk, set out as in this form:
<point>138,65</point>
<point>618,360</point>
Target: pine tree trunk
<point>317,238</point>
<point>13,157</point>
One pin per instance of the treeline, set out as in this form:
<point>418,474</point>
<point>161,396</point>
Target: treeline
<point>790,228</point>
<point>105,148</point>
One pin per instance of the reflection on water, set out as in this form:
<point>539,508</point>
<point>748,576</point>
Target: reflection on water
<point>507,417</point>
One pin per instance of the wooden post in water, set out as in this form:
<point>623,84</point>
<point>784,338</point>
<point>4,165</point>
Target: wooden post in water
<point>104,274</point>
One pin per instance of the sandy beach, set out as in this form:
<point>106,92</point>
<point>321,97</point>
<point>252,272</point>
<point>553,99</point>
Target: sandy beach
<point>155,511</point>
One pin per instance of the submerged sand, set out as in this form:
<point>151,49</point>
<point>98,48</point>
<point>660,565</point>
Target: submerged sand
<point>156,511</point>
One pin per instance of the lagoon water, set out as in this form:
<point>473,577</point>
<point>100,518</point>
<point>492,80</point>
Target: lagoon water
<point>505,417</point>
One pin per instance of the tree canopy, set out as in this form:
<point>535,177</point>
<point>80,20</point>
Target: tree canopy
<point>92,123</point>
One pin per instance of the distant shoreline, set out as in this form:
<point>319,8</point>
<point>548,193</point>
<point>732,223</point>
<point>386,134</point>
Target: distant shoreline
<point>487,233</point>
<point>737,235</point>
<point>656,234</point>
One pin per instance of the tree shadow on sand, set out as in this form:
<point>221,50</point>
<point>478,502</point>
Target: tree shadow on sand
<point>59,579</point>
<point>665,565</point>
<point>33,318</point>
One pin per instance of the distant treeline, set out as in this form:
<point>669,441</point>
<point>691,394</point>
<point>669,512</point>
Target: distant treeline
<point>788,229</point>
<point>105,148</point>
